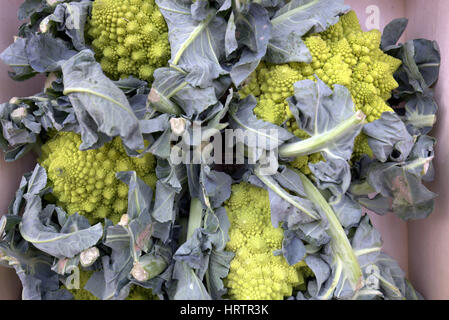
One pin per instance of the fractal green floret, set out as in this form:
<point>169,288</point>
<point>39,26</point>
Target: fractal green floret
<point>129,37</point>
<point>85,181</point>
<point>343,55</point>
<point>255,272</point>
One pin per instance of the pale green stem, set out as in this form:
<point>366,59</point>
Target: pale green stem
<point>320,142</point>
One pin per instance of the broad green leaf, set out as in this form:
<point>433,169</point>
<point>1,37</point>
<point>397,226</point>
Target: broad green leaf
<point>296,19</point>
<point>392,33</point>
<point>71,18</point>
<point>328,116</point>
<point>388,138</point>
<point>58,244</point>
<point>410,198</point>
<point>421,113</point>
<point>102,109</point>
<point>252,33</point>
<point>330,119</point>
<point>173,94</point>
<point>196,46</point>
<point>217,185</point>
<point>189,286</point>
<point>46,53</point>
<point>15,57</point>
<point>32,266</point>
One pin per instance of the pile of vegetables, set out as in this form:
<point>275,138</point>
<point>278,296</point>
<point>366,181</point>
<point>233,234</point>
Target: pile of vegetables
<point>109,212</point>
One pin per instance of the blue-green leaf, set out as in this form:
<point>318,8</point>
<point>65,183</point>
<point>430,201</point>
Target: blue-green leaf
<point>296,19</point>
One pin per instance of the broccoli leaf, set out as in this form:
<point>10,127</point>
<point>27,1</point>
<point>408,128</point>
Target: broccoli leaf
<point>22,121</point>
<point>217,185</point>
<point>173,94</point>
<point>420,113</point>
<point>203,253</point>
<point>348,211</point>
<point>29,7</point>
<point>16,58</point>
<point>164,203</point>
<point>366,242</point>
<point>386,277</point>
<point>421,60</point>
<point>411,199</point>
<point>296,19</point>
<point>251,34</point>
<point>71,18</point>
<point>293,248</point>
<point>132,240</point>
<point>46,53</point>
<point>36,227</point>
<point>419,162</point>
<point>103,284</point>
<point>293,212</point>
<point>102,109</point>
<point>392,33</point>
<point>320,269</point>
<point>388,138</point>
<point>70,241</point>
<point>420,68</point>
<point>259,136</point>
<point>32,266</point>
<point>189,286</point>
<point>332,131</point>
<point>286,207</point>
<point>196,46</point>
<point>139,194</point>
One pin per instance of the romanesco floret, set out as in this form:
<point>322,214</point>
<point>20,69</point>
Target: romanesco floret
<point>255,272</point>
<point>343,55</point>
<point>129,37</point>
<point>85,181</point>
<point>135,293</point>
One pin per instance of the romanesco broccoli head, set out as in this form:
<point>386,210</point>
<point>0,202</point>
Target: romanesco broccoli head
<point>255,272</point>
<point>85,181</point>
<point>136,292</point>
<point>129,37</point>
<point>343,55</point>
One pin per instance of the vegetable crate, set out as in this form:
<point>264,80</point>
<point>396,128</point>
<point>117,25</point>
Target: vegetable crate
<point>420,246</point>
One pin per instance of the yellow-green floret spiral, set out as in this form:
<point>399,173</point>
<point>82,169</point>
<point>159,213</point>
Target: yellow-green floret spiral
<point>136,292</point>
<point>255,272</point>
<point>85,181</point>
<point>129,37</point>
<point>343,55</point>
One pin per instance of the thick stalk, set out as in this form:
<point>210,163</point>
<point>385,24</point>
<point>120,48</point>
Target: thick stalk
<point>345,259</point>
<point>195,216</point>
<point>321,141</point>
<point>268,181</point>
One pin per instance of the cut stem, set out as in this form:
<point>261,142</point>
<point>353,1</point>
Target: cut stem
<point>163,104</point>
